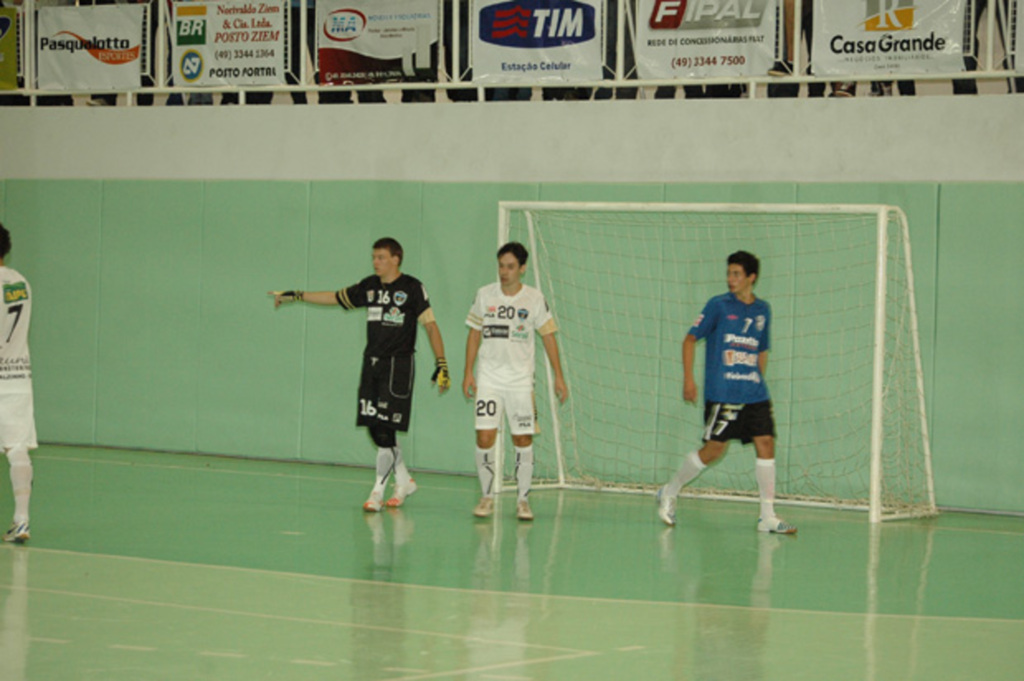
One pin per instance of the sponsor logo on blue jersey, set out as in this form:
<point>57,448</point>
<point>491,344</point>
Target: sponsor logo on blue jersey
<point>534,24</point>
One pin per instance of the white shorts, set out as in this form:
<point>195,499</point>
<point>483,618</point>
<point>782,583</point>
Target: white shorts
<point>517,405</point>
<point>17,421</point>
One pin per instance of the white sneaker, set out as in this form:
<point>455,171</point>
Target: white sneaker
<point>375,503</point>
<point>485,509</point>
<point>666,507</point>
<point>775,525</point>
<point>523,510</point>
<point>18,533</point>
<point>402,492</point>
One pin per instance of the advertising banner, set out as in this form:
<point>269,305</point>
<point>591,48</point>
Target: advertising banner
<point>8,48</point>
<point>229,42</point>
<point>705,38</point>
<point>85,48</point>
<point>558,41</point>
<point>373,41</point>
<point>888,36</point>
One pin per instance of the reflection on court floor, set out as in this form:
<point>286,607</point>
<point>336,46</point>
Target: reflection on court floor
<point>222,569</point>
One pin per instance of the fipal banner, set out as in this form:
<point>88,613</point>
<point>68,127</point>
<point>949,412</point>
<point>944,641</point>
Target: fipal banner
<point>372,41</point>
<point>557,41</point>
<point>8,48</point>
<point>87,48</point>
<point>705,38</point>
<point>888,36</point>
<point>229,42</point>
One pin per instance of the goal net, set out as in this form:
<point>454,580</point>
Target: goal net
<point>625,283</point>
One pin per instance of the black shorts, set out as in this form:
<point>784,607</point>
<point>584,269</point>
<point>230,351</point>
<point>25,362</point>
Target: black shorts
<point>385,392</point>
<point>743,422</point>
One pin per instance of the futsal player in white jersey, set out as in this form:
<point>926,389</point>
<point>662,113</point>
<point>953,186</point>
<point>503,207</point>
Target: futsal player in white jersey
<point>502,323</point>
<point>17,420</point>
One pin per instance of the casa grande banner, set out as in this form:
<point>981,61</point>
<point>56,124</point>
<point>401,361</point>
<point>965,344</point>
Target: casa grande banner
<point>8,48</point>
<point>229,42</point>
<point>888,36</point>
<point>372,41</point>
<point>705,38</point>
<point>83,48</point>
<point>556,41</point>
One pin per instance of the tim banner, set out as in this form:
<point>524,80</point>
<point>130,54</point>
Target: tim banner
<point>229,42</point>
<point>373,41</point>
<point>558,41</point>
<point>8,48</point>
<point>705,38</point>
<point>89,48</point>
<point>888,36</point>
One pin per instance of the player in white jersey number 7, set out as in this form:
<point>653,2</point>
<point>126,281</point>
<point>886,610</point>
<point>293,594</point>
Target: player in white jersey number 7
<point>502,322</point>
<point>737,406</point>
<point>17,419</point>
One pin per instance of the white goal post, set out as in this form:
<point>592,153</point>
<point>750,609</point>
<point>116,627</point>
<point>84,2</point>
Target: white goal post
<point>624,282</point>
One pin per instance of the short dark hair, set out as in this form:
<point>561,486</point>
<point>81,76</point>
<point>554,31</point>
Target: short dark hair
<point>516,249</point>
<point>748,261</point>
<point>5,241</point>
<point>391,245</point>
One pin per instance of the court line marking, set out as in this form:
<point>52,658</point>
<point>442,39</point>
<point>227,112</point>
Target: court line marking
<point>502,665</point>
<point>294,619</point>
<point>140,649</point>
<point>215,653</point>
<point>506,594</point>
<point>315,663</point>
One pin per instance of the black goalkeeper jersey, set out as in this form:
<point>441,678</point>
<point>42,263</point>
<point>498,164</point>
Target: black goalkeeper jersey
<point>392,311</point>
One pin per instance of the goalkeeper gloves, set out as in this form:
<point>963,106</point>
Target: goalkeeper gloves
<point>289,296</point>
<point>441,376</point>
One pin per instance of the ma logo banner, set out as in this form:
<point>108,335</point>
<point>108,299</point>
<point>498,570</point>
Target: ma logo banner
<point>536,24</point>
<point>889,15</point>
<point>191,66</point>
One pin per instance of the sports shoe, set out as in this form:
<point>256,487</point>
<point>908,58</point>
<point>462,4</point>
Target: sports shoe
<point>402,492</point>
<point>18,533</point>
<point>374,503</point>
<point>775,525</point>
<point>781,69</point>
<point>666,507</point>
<point>844,90</point>
<point>523,511</point>
<point>485,509</point>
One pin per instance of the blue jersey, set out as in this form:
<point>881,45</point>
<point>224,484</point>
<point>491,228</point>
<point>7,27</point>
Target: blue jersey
<point>736,333</point>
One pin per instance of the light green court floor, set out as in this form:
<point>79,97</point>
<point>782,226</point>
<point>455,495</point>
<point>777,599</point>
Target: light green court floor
<point>156,566</point>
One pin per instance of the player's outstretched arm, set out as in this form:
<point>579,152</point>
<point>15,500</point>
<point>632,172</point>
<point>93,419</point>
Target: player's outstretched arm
<point>472,348</point>
<point>689,384</point>
<point>315,297</point>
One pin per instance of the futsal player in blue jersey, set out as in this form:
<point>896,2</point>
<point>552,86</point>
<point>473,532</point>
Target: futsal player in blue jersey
<point>736,327</point>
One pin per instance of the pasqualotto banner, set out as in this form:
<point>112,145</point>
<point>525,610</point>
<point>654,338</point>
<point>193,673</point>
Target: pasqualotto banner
<point>705,38</point>
<point>8,48</point>
<point>888,36</point>
<point>87,48</point>
<point>373,41</point>
<point>558,41</point>
<point>229,42</point>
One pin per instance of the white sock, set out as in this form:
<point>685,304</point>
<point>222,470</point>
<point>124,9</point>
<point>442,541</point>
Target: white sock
<point>385,466</point>
<point>485,470</point>
<point>21,482</point>
<point>688,471</point>
<point>402,476</point>
<point>764,471</point>
<point>524,470</point>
